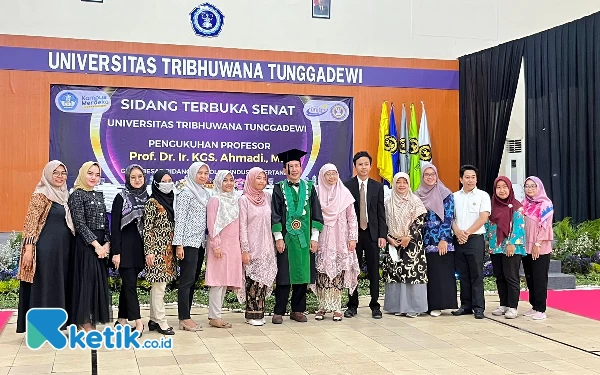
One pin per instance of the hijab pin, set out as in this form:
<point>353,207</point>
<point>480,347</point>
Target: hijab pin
<point>510,205</point>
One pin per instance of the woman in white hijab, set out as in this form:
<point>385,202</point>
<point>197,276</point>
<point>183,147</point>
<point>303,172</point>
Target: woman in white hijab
<point>336,260</point>
<point>224,258</point>
<point>405,269</point>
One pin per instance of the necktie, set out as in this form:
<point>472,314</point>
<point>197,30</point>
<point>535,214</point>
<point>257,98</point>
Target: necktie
<point>363,207</point>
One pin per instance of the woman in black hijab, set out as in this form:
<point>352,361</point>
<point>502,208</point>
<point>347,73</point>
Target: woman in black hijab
<point>127,246</point>
<point>161,268</point>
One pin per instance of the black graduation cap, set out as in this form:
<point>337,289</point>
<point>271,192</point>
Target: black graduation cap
<point>290,155</point>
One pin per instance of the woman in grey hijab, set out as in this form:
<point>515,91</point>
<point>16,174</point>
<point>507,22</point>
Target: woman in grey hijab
<point>190,229</point>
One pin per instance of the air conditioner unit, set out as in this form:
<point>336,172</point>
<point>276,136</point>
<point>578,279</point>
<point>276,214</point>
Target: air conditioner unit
<point>515,168</point>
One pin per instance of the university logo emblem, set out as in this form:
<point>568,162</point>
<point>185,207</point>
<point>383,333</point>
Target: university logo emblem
<point>390,144</point>
<point>402,145</point>
<point>413,146</point>
<point>425,152</point>
<point>338,111</point>
<point>207,20</point>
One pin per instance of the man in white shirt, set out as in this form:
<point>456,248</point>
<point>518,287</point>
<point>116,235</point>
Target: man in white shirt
<point>472,208</point>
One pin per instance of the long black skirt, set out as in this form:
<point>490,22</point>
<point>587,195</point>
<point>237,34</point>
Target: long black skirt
<point>49,287</point>
<point>441,288</point>
<point>90,296</point>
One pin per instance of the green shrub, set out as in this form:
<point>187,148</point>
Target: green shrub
<point>8,286</point>
<point>581,240</point>
<point>10,252</point>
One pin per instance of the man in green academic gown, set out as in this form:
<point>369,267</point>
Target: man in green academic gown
<point>296,220</point>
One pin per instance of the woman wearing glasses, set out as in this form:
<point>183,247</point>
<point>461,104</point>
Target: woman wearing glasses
<point>47,235</point>
<point>539,211</point>
<point>437,237</point>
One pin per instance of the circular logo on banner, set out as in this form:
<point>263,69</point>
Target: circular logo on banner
<point>207,20</point>
<point>338,111</point>
<point>67,101</point>
<point>414,146</point>
<point>296,224</point>
<point>391,144</point>
<point>425,152</point>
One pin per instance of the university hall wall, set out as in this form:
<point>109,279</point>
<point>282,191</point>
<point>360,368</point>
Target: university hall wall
<point>25,103</point>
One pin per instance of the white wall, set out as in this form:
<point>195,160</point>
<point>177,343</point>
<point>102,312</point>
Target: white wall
<point>437,29</point>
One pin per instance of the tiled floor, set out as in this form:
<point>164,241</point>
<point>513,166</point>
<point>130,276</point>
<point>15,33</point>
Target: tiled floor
<point>393,345</point>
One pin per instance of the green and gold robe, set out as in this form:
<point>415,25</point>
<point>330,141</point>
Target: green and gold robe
<point>294,214</point>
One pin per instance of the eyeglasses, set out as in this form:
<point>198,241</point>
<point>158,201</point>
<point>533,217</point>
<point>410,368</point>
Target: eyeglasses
<point>429,174</point>
<point>59,174</point>
<point>530,186</point>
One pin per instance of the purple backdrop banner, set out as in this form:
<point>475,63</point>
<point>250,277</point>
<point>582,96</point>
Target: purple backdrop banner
<point>170,129</point>
<point>89,62</point>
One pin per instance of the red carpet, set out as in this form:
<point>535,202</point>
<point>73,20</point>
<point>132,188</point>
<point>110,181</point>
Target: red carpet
<point>583,302</point>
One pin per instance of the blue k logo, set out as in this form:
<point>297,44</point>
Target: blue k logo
<point>43,325</point>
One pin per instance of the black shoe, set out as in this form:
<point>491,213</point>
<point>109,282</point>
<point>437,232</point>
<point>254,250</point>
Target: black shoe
<point>462,311</point>
<point>349,313</point>
<point>152,325</point>
<point>479,315</point>
<point>167,332</point>
<point>376,314</point>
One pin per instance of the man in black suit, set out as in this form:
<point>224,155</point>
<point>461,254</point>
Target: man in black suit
<point>372,229</point>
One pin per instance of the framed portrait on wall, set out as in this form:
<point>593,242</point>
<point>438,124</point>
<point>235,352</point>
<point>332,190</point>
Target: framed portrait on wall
<point>321,9</point>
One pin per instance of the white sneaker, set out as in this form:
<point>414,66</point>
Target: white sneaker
<point>531,312</point>
<point>501,310</point>
<point>511,313</point>
<point>412,315</point>
<point>255,322</point>
<point>539,316</point>
<point>435,313</point>
<point>397,314</point>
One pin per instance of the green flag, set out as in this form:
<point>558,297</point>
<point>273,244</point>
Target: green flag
<point>413,140</point>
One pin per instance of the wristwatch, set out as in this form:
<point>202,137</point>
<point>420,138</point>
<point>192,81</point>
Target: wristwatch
<point>538,244</point>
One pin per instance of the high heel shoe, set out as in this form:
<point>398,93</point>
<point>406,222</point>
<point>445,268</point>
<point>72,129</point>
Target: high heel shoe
<point>152,325</point>
<point>141,332</point>
<point>185,327</point>
<point>167,332</point>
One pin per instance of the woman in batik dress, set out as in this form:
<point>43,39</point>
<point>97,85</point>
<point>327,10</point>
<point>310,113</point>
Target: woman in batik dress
<point>405,269</point>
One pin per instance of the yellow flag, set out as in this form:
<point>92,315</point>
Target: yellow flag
<point>384,157</point>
